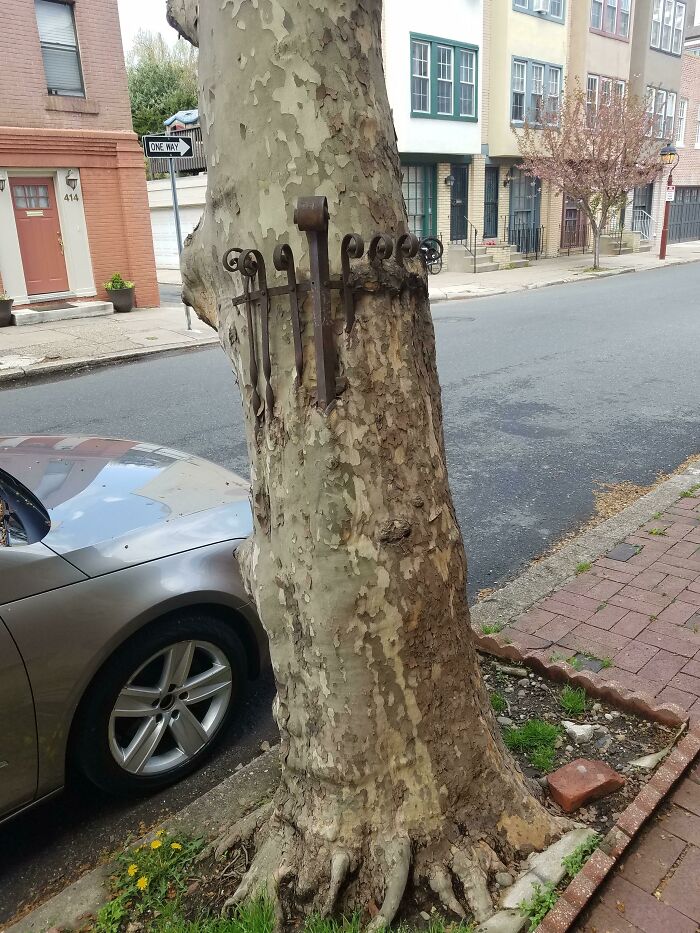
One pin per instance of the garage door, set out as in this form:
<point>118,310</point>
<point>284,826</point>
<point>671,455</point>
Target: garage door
<point>164,238</point>
<point>684,215</point>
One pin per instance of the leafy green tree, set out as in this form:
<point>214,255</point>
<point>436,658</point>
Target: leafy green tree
<point>162,80</point>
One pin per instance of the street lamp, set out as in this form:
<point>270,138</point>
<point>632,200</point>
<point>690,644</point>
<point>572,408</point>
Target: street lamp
<point>669,156</point>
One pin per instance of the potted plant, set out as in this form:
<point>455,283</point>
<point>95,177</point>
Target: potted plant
<point>5,309</point>
<point>120,292</point>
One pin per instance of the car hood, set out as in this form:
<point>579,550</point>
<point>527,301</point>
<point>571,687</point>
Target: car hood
<point>114,503</point>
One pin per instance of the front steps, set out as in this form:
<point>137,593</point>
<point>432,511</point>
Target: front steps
<point>65,311</point>
<point>488,258</point>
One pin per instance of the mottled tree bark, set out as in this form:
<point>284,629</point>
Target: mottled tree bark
<point>391,759</point>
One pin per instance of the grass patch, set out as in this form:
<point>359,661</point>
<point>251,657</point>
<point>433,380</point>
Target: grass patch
<point>536,739</point>
<point>606,662</point>
<point>498,702</point>
<point>690,492</point>
<point>492,628</point>
<point>575,663</point>
<point>574,863</point>
<point>656,516</point>
<point>583,567</point>
<point>657,531</point>
<point>147,878</point>
<point>544,897</point>
<point>573,700</point>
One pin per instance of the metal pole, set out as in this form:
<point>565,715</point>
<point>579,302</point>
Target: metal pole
<point>178,229</point>
<point>664,232</point>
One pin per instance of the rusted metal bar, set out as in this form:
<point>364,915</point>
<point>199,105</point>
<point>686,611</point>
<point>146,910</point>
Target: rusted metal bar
<point>283,260</point>
<point>351,247</point>
<point>311,216</point>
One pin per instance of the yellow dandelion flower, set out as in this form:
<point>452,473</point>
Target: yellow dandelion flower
<point>131,870</point>
<point>142,883</point>
<point>175,845</point>
<point>156,844</point>
<point>161,832</point>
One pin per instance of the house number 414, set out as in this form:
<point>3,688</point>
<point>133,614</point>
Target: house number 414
<point>71,197</point>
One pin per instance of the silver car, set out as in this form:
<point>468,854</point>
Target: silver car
<point>126,636</point>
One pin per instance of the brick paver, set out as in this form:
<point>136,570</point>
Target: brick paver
<point>640,616</point>
<point>656,888</point>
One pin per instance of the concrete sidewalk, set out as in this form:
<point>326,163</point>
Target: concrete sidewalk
<point>64,346</point>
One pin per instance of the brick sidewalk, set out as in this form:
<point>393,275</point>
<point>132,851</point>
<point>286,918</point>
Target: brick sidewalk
<point>636,615</point>
<point>657,887</point>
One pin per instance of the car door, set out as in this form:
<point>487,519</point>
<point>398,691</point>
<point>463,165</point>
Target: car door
<point>18,744</point>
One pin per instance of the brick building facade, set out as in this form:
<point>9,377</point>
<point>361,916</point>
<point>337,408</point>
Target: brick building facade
<point>73,199</point>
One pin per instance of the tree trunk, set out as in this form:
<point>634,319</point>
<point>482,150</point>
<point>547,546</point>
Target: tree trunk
<point>596,248</point>
<point>391,757</point>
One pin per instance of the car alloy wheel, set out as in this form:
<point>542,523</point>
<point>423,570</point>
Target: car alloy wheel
<point>170,708</point>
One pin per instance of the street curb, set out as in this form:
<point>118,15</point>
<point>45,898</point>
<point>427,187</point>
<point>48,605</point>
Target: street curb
<point>209,814</point>
<point>84,364</point>
<point>568,280</point>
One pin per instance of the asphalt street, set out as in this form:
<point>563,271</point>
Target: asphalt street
<point>545,393</point>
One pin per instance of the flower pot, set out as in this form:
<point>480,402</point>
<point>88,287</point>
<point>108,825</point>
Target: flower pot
<point>122,298</point>
<point>6,312</point>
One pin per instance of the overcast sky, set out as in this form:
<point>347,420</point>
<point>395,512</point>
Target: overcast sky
<point>143,14</point>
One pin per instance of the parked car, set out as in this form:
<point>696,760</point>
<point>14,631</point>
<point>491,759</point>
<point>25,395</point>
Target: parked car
<point>126,635</point>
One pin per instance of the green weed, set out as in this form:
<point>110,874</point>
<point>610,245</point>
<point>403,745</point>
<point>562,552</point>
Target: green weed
<point>498,702</point>
<point>574,863</point>
<point>492,629</point>
<point>690,492</point>
<point>573,700</point>
<point>583,567</point>
<point>544,897</point>
<point>536,739</point>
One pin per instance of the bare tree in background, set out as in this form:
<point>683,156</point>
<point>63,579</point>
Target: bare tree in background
<point>392,764</point>
<point>594,152</point>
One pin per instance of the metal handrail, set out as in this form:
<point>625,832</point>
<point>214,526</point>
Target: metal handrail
<point>642,222</point>
<point>471,240</point>
<point>527,238</point>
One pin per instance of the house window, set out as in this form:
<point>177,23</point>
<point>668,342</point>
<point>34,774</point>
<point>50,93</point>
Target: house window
<point>59,48</point>
<point>535,91</point>
<point>680,123</point>
<point>661,110</point>
<point>591,99</point>
<point>544,9</point>
<point>420,77</point>
<point>611,17</point>
<point>517,109</point>
<point>443,79</point>
<point>667,25</point>
<point>601,90</point>
<point>697,132</point>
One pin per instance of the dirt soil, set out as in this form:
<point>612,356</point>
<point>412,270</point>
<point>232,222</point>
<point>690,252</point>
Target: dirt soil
<point>529,696</point>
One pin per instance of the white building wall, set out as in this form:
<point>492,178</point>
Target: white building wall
<point>459,21</point>
<point>191,193</point>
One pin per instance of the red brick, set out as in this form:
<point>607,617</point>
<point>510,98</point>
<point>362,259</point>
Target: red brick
<point>676,631</point>
<point>687,795</point>
<point>610,640</point>
<point>563,609</point>
<point>684,825</point>
<point>575,599</point>
<point>676,696</point>
<point>631,624</point>
<point>662,667</point>
<point>605,589</point>
<point>581,781</point>
<point>688,596</point>
<point>527,641</point>
<point>689,575</point>
<point>653,857</point>
<point>636,605</point>
<point>581,585</point>
<point>557,628</point>
<point>685,563</point>
<point>692,668</point>
<point>688,684</point>
<point>682,890</point>
<point>617,566</point>
<point>634,656</point>
<point>605,573</point>
<point>651,636</point>
<point>687,504</point>
<point>694,587</point>
<point>643,910</point>
<point>530,622</point>
<point>632,819</point>
<point>626,679</point>
<point>608,616</point>
<point>671,585</point>
<point>683,549</point>
<point>649,579</point>
<point>644,596</point>
<point>677,613</point>
<point>615,842</point>
<point>603,919</point>
<point>560,917</point>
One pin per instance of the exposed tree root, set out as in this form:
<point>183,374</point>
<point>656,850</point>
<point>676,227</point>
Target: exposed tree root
<point>238,833</point>
<point>326,877</point>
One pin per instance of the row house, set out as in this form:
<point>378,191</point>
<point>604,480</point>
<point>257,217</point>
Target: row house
<point>684,212</point>
<point>461,91</point>
<point>73,201</point>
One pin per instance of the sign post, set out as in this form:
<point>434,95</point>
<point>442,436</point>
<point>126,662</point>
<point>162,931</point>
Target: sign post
<point>670,198</point>
<point>171,148</point>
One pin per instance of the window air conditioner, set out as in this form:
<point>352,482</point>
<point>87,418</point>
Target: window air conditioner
<point>540,6</point>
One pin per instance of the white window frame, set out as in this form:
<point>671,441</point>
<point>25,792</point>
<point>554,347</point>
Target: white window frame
<point>670,114</point>
<point>520,89</point>
<point>450,81</point>
<point>471,66</point>
<point>697,132</point>
<point>668,26</point>
<point>59,45</point>
<point>656,18</point>
<point>678,28</point>
<point>681,121</point>
<point>597,13</point>
<point>420,77</point>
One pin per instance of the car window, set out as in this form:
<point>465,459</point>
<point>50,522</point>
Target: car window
<point>23,519</point>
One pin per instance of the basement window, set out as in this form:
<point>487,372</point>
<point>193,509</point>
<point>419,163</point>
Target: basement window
<point>59,48</point>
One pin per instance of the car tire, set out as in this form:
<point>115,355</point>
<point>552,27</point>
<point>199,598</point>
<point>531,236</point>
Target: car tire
<point>109,749</point>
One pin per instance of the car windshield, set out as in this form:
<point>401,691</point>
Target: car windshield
<point>23,519</point>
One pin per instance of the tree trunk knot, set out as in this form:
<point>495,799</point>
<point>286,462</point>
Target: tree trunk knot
<point>395,530</point>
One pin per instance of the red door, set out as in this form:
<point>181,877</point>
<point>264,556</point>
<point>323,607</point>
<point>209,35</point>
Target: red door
<point>39,231</point>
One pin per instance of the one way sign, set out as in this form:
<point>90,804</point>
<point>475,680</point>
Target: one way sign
<point>168,147</point>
